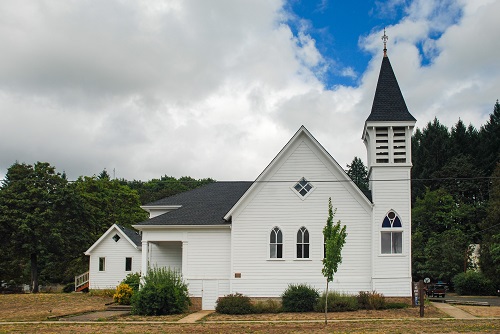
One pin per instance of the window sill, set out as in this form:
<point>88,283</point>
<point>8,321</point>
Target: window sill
<point>308,259</point>
<point>392,255</point>
<point>275,259</point>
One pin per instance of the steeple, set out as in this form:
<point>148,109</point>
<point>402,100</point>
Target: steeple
<point>388,128</point>
<point>388,104</point>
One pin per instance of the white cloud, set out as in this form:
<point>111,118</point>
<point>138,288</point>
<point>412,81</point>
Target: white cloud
<point>216,88</point>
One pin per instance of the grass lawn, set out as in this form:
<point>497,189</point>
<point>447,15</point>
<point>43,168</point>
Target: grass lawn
<point>37,307</point>
<point>481,311</point>
<point>357,326</point>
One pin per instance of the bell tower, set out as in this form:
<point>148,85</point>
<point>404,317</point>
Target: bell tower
<point>387,137</point>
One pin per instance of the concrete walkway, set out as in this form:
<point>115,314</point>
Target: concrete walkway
<point>194,317</point>
<point>452,311</point>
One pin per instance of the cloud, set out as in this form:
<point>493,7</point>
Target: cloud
<point>216,88</point>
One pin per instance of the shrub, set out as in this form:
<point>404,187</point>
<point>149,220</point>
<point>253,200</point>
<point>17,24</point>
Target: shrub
<point>163,292</point>
<point>123,294</point>
<point>473,283</point>
<point>234,304</point>
<point>102,292</point>
<point>371,300</point>
<point>394,306</point>
<point>299,298</point>
<point>133,281</point>
<point>70,287</point>
<point>267,306</point>
<point>337,302</point>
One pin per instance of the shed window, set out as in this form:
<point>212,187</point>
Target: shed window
<point>128,264</point>
<point>391,236</point>
<point>276,244</point>
<point>302,243</point>
<point>102,264</point>
<point>116,237</point>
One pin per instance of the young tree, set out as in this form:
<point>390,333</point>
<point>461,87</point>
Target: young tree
<point>334,236</point>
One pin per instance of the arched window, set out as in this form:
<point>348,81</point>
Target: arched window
<point>276,244</point>
<point>392,240</point>
<point>302,243</point>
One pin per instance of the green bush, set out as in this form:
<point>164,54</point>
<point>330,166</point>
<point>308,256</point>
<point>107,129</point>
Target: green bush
<point>163,292</point>
<point>234,304</point>
<point>394,306</point>
<point>371,300</point>
<point>70,287</point>
<point>299,298</point>
<point>473,283</point>
<point>133,281</point>
<point>123,294</point>
<point>267,306</point>
<point>337,302</point>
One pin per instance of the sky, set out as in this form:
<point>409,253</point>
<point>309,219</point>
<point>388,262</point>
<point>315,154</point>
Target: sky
<point>216,88</point>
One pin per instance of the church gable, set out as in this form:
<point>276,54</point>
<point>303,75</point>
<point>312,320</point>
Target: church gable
<point>277,227</point>
<point>302,170</point>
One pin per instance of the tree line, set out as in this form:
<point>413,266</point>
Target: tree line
<point>455,198</point>
<point>47,222</point>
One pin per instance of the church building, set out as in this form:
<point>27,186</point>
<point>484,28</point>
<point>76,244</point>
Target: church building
<point>258,237</point>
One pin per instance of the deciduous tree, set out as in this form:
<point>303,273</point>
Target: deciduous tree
<point>334,236</point>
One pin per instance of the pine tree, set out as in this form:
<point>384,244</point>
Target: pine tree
<point>358,173</point>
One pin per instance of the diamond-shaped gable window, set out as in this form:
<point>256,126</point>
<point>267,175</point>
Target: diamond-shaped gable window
<point>303,187</point>
<point>116,237</point>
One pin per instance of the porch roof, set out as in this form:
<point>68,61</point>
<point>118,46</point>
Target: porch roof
<point>206,205</point>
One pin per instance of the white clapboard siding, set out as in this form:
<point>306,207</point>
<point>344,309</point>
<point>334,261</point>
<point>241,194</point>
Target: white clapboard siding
<point>207,249</point>
<point>166,254</point>
<point>209,254</point>
<point>392,272</point>
<point>115,254</point>
<point>277,204</point>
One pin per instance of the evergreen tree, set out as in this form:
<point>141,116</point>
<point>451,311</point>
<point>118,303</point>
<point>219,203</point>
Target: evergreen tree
<point>358,173</point>
<point>489,147</point>
<point>430,152</point>
<point>34,204</point>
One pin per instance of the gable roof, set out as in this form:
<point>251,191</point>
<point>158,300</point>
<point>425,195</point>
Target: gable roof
<point>206,205</point>
<point>132,236</point>
<point>388,103</point>
<point>269,170</point>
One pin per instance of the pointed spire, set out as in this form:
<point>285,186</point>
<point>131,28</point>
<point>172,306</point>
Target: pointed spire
<point>388,104</point>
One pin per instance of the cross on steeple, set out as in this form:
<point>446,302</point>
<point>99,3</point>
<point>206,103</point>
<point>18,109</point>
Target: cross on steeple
<point>385,38</point>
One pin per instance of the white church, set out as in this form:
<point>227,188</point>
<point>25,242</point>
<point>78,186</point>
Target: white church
<point>256,238</point>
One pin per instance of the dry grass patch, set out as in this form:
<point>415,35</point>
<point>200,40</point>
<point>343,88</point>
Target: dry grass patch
<point>361,326</point>
<point>39,306</point>
<point>167,318</point>
<point>481,311</point>
<point>408,313</point>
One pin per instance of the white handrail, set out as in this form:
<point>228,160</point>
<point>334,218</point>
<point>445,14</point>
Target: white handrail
<point>81,279</point>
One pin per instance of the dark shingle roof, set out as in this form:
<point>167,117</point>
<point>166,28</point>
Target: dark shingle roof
<point>388,104</point>
<point>206,205</point>
<point>132,234</point>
